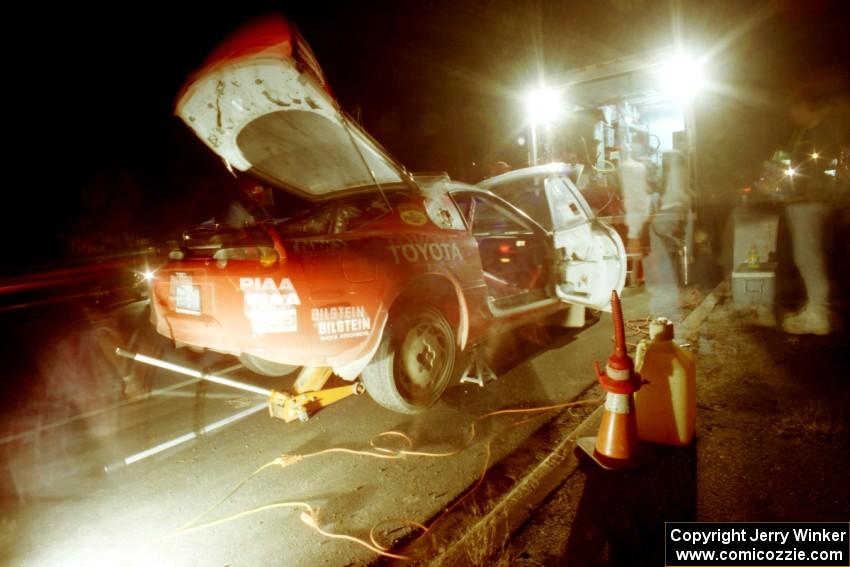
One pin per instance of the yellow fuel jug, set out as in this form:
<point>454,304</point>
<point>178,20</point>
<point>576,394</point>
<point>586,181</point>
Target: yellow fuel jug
<point>666,403</point>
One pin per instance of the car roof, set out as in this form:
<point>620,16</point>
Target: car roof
<point>518,174</point>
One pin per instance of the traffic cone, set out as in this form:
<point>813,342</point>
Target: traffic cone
<point>616,445</point>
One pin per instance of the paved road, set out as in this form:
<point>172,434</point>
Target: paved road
<point>61,508</point>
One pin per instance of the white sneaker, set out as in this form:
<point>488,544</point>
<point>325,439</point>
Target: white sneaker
<point>808,321</point>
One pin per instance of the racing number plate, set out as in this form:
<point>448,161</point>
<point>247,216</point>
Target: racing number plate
<point>187,296</point>
<point>188,299</point>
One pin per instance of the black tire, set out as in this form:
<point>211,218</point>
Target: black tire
<point>265,367</point>
<point>414,362</point>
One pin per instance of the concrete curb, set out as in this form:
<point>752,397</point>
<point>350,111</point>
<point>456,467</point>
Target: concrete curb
<point>490,531</point>
<point>517,505</point>
<point>689,328</point>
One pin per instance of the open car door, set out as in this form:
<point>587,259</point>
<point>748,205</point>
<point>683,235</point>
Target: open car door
<point>590,257</point>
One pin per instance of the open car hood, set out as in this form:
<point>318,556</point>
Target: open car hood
<point>261,102</point>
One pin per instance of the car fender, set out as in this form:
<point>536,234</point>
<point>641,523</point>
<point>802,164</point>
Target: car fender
<point>351,370</point>
<point>425,281</point>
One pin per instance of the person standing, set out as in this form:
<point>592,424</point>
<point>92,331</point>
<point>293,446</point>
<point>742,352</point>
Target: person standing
<point>667,237</point>
<point>816,145</point>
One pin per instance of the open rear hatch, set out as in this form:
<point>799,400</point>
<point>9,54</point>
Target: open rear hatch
<point>261,103</point>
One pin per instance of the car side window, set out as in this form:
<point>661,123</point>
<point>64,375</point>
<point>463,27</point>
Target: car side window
<point>464,205</point>
<point>488,218</point>
<point>316,222</point>
<point>566,210</point>
<point>355,214</point>
<point>529,196</point>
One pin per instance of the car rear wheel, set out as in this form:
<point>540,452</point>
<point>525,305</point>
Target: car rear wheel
<point>265,367</point>
<point>414,362</point>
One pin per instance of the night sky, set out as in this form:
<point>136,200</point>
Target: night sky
<point>96,147</point>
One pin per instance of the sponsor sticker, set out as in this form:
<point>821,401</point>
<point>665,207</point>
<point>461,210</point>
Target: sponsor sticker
<point>412,215</point>
<point>443,213</point>
<point>269,304</point>
<point>275,320</point>
<point>426,252</point>
<point>445,218</point>
<point>342,322</point>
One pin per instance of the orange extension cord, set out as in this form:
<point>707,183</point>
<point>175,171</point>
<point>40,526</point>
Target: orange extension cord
<point>310,515</point>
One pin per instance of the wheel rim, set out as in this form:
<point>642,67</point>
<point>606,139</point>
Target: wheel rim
<point>423,361</point>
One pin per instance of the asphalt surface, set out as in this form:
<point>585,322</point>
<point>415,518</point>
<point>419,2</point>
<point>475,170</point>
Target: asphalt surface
<point>60,507</point>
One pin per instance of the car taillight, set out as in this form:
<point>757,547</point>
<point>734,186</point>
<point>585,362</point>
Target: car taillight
<point>266,256</point>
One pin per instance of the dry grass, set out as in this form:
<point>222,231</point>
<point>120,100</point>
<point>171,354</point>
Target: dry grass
<point>488,542</point>
<point>812,418</point>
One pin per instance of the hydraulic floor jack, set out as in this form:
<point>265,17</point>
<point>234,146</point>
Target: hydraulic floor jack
<point>307,398</point>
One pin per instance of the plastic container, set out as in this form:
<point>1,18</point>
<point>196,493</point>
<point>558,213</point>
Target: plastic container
<point>666,404</point>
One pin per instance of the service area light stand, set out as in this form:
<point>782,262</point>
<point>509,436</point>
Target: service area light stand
<point>543,106</point>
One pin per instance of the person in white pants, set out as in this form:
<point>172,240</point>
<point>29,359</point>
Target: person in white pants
<point>806,224</point>
<point>666,238</point>
<point>816,147</point>
<point>666,215</point>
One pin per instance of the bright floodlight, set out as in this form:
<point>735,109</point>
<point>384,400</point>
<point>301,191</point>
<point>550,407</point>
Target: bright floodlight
<point>148,275</point>
<point>543,105</point>
<point>682,77</point>
<point>790,172</point>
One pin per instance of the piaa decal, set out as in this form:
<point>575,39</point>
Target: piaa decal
<point>269,305</point>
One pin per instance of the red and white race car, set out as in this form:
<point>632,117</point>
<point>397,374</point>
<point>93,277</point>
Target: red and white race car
<point>387,276</point>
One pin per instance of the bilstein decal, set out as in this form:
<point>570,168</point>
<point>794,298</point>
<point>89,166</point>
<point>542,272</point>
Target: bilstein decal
<point>270,305</point>
<point>427,252</point>
<point>335,323</point>
<point>412,215</point>
<point>318,247</point>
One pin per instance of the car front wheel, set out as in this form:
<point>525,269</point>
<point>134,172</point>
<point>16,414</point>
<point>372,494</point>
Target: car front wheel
<point>414,362</point>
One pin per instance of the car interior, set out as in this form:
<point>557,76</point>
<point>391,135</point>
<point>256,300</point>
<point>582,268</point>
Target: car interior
<point>513,254</point>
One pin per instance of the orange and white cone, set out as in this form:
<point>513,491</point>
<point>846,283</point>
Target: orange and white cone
<point>616,445</point>
<point>617,440</point>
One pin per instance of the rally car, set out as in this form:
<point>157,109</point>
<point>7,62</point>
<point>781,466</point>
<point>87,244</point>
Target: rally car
<point>386,276</point>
